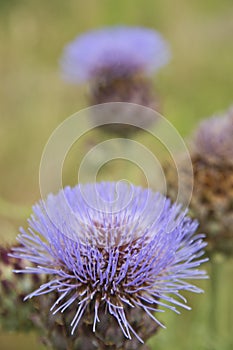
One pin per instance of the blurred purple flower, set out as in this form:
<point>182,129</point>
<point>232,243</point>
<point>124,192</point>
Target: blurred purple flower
<point>120,50</point>
<point>213,140</point>
<point>105,248</point>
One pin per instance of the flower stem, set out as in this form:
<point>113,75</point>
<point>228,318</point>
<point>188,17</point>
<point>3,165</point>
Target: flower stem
<point>214,299</point>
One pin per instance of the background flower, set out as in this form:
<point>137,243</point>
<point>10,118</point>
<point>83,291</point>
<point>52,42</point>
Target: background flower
<point>117,62</point>
<point>211,150</point>
<point>213,140</point>
<point>118,50</point>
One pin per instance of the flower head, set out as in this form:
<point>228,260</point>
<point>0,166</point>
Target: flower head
<point>117,62</point>
<point>118,50</point>
<point>213,181</point>
<point>212,159</point>
<point>213,140</point>
<point>107,251</point>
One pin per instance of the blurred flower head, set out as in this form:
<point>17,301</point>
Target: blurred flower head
<point>212,199</point>
<point>213,140</point>
<point>119,51</point>
<point>107,251</point>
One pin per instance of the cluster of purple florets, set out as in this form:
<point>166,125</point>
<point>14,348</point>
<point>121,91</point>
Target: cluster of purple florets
<point>109,245</point>
<point>122,50</point>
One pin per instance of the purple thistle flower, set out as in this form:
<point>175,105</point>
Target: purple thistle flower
<point>106,248</point>
<point>213,140</point>
<point>118,50</point>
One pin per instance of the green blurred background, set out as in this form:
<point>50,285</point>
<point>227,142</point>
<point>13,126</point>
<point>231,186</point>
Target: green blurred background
<point>34,100</point>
